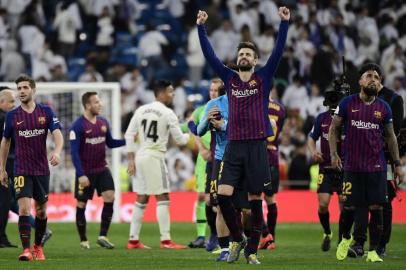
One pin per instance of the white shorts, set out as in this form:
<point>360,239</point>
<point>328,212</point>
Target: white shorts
<point>151,176</point>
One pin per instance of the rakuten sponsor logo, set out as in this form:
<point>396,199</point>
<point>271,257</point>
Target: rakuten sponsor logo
<point>364,125</point>
<point>244,93</point>
<point>31,133</point>
<point>95,140</point>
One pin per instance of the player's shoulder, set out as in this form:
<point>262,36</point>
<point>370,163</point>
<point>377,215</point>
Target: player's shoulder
<point>102,120</point>
<point>78,122</point>
<point>43,107</point>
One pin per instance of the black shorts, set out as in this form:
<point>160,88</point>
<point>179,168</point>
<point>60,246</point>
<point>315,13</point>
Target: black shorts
<point>32,186</point>
<point>101,181</point>
<point>330,182</point>
<point>273,187</point>
<point>209,172</point>
<point>364,189</point>
<point>245,166</point>
<point>239,197</point>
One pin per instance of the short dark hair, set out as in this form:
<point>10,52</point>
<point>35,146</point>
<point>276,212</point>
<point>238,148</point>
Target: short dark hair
<point>160,86</point>
<point>249,45</point>
<point>4,88</point>
<point>25,78</point>
<point>371,66</point>
<point>86,97</point>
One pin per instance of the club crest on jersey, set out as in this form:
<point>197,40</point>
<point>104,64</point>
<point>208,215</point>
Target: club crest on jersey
<point>378,115</point>
<point>103,128</point>
<point>41,120</point>
<point>252,83</point>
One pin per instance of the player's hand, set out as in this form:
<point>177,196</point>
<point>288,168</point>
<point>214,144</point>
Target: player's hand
<point>398,174</point>
<point>201,17</point>
<point>284,13</point>
<point>217,124</point>
<point>336,162</point>
<point>4,178</point>
<point>84,181</point>
<point>317,157</point>
<point>213,112</point>
<point>131,168</point>
<point>55,159</point>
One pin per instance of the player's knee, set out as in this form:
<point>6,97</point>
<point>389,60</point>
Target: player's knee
<point>201,197</point>
<point>225,190</point>
<point>81,204</point>
<point>270,199</point>
<point>162,197</point>
<point>24,211</point>
<point>143,199</point>
<point>254,196</point>
<point>41,212</point>
<point>323,208</point>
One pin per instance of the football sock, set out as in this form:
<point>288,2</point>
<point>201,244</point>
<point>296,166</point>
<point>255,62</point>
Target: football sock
<point>81,223</point>
<point>40,227</point>
<point>224,242</point>
<point>360,225</point>
<point>136,220</point>
<point>272,217</point>
<point>107,214</point>
<point>230,217</point>
<point>201,218</point>
<point>375,228</point>
<point>256,226</point>
<point>348,219</point>
<point>387,224</point>
<point>325,221</point>
<point>25,231</point>
<point>211,219</point>
<point>162,213</point>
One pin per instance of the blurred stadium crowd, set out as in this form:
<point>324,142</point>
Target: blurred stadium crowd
<point>134,42</point>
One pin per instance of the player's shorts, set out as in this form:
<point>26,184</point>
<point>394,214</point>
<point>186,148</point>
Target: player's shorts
<point>273,187</point>
<point>364,188</point>
<point>152,175</point>
<point>329,182</point>
<point>200,173</point>
<point>101,181</point>
<point>209,174</point>
<point>32,186</point>
<point>245,163</point>
<point>239,197</point>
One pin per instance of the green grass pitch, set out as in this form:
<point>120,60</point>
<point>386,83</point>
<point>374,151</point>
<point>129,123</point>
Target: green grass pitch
<point>298,248</point>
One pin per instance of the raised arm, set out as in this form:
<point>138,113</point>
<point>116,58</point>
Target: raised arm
<point>333,136</point>
<point>219,68</point>
<point>273,61</point>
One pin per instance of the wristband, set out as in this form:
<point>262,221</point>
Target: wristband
<point>397,163</point>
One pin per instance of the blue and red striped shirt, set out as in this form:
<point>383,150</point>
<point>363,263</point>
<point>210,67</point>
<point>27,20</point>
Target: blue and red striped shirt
<point>88,145</point>
<point>248,101</point>
<point>276,112</point>
<point>320,130</point>
<point>364,127</point>
<point>30,132</point>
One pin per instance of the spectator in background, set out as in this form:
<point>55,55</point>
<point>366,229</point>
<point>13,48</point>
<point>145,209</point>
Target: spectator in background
<point>224,40</point>
<point>265,43</point>
<point>90,74</point>
<point>150,51</point>
<point>295,96</point>
<point>299,169</point>
<point>194,58</point>
<point>104,37</point>
<point>14,10</point>
<point>12,63</point>
<point>67,22</point>
<point>314,104</point>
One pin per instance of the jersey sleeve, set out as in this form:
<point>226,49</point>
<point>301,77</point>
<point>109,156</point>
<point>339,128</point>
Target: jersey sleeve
<point>316,130</point>
<point>110,142</point>
<point>341,109</point>
<point>132,133</point>
<point>388,118</point>
<point>8,126</point>
<point>203,126</point>
<point>53,122</point>
<point>174,129</point>
<point>74,137</point>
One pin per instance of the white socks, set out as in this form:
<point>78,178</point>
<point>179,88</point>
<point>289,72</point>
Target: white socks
<point>162,215</point>
<point>136,221</point>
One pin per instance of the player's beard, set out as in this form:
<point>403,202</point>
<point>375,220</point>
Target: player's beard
<point>245,67</point>
<point>371,91</point>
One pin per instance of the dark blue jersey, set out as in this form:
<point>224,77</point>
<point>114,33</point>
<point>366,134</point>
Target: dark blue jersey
<point>88,145</point>
<point>248,101</point>
<point>30,132</point>
<point>277,112</point>
<point>320,131</point>
<point>364,133</point>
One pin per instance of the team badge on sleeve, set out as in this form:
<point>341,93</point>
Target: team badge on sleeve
<point>72,135</point>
